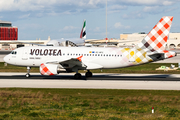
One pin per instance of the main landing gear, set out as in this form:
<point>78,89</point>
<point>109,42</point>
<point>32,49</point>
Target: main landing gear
<point>28,71</point>
<point>78,75</point>
<point>88,74</point>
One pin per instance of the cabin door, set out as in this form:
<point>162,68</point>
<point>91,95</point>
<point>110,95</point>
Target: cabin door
<point>25,54</point>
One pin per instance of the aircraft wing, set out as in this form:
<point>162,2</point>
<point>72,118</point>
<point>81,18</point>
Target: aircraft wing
<point>31,43</point>
<point>76,62</point>
<point>101,42</point>
<point>71,63</point>
<point>68,63</point>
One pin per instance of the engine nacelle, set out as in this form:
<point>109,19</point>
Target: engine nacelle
<point>48,69</point>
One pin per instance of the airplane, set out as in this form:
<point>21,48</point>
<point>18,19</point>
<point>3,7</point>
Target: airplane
<point>82,42</point>
<point>75,42</point>
<point>54,60</point>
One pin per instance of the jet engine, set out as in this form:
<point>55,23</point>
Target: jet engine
<point>48,69</point>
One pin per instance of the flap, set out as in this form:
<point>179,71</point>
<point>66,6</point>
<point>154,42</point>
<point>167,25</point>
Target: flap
<point>68,62</point>
<point>93,66</point>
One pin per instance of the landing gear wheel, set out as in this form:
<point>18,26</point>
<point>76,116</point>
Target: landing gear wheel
<point>27,75</point>
<point>28,71</point>
<point>88,74</point>
<point>77,76</point>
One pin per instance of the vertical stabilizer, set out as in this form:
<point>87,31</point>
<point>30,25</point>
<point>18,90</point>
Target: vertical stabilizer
<point>156,39</point>
<point>83,31</point>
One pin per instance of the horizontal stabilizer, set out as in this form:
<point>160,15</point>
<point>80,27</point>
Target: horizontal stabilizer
<point>162,55</point>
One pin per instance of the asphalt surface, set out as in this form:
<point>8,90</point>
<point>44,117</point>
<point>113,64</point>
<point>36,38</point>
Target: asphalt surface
<point>98,81</point>
<point>102,77</point>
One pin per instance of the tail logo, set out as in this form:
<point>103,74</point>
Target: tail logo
<point>83,31</point>
<point>157,37</point>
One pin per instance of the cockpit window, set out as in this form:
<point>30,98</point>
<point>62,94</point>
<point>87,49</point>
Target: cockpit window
<point>49,45</point>
<point>14,52</point>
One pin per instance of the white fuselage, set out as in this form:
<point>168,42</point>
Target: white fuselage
<point>93,58</point>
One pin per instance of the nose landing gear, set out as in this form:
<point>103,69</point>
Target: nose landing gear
<point>28,71</point>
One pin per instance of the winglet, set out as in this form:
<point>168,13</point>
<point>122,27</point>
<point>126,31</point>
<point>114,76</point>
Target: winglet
<point>83,31</point>
<point>80,58</point>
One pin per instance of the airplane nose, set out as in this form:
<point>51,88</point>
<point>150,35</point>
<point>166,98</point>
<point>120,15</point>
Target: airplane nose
<point>6,58</point>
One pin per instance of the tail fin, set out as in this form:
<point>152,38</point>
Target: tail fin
<point>83,31</point>
<point>156,39</point>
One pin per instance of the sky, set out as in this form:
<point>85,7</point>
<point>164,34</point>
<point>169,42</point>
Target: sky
<point>64,18</point>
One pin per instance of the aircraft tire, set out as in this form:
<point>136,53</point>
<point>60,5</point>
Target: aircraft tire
<point>27,75</point>
<point>77,76</point>
<point>88,74</point>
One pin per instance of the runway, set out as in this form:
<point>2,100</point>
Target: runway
<point>98,81</point>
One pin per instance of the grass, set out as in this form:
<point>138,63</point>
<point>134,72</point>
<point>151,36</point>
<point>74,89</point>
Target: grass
<point>88,104</point>
<point>145,68</point>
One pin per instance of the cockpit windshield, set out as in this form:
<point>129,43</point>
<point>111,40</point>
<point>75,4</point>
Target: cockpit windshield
<point>49,45</point>
<point>14,52</point>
